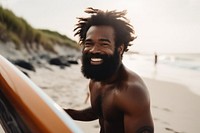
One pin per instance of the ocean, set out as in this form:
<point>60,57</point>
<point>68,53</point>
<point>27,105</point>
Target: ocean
<point>178,68</point>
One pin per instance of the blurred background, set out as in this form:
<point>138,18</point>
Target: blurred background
<point>168,30</point>
<point>37,36</point>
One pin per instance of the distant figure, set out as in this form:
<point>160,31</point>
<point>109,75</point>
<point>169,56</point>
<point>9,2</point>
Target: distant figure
<point>155,59</point>
<point>119,98</point>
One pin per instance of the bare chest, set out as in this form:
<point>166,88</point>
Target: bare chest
<point>103,102</point>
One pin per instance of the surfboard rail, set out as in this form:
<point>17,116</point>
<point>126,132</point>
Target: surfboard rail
<point>27,106</point>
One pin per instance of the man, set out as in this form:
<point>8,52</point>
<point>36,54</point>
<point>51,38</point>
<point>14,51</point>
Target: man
<point>119,97</point>
<point>155,59</point>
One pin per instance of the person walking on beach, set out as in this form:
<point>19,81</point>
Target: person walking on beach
<point>155,59</point>
<point>119,98</point>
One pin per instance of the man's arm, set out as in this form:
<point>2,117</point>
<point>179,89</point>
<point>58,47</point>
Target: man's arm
<point>82,115</point>
<point>139,113</point>
<point>140,122</point>
<point>135,103</point>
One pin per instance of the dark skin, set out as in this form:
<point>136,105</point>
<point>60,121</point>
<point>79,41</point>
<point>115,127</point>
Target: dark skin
<point>121,102</point>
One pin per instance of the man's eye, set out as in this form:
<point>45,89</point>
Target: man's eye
<point>87,44</point>
<point>104,44</point>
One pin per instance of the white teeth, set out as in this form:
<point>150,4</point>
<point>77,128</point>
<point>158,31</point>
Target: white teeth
<point>96,59</point>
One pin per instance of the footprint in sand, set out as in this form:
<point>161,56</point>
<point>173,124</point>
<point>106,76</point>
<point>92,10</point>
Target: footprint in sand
<point>173,131</point>
<point>96,126</point>
<point>155,119</point>
<point>163,122</point>
<point>164,109</point>
<point>154,106</point>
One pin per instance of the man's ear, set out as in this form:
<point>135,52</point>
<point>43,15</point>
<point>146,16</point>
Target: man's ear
<point>121,49</point>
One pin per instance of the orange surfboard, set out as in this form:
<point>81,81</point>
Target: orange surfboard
<point>25,108</point>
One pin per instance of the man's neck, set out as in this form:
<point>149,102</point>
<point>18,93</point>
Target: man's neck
<point>116,75</point>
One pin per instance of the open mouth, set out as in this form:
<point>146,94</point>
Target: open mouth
<point>96,61</point>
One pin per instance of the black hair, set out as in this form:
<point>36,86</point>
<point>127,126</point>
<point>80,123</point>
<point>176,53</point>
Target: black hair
<point>124,32</point>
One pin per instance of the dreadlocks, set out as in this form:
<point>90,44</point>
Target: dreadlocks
<point>124,32</point>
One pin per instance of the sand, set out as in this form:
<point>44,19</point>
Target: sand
<point>174,108</point>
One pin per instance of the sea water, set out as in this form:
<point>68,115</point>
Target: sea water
<point>179,68</point>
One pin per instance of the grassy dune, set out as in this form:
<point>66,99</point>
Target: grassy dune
<point>18,31</point>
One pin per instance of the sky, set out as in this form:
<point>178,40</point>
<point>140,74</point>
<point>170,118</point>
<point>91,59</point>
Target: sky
<point>162,26</point>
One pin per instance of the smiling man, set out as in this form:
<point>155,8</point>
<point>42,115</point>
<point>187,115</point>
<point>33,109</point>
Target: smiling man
<point>119,97</point>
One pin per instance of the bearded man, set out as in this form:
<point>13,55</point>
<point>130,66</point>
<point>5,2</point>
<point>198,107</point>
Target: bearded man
<point>119,98</point>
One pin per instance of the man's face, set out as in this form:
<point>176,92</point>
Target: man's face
<point>100,58</point>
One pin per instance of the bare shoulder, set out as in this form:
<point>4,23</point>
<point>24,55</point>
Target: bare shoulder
<point>135,103</point>
<point>137,89</point>
<point>134,96</point>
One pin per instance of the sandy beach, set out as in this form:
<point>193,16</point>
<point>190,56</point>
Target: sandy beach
<point>41,37</point>
<point>175,109</point>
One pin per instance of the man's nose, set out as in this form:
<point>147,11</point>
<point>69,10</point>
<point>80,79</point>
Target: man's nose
<point>95,49</point>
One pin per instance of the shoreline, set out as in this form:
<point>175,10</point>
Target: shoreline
<point>183,69</point>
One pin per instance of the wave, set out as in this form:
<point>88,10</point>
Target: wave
<point>188,61</point>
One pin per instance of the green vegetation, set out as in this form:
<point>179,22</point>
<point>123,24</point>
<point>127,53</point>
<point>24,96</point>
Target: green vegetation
<point>17,30</point>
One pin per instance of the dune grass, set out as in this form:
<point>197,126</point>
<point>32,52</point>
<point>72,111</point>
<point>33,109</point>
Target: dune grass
<point>18,31</point>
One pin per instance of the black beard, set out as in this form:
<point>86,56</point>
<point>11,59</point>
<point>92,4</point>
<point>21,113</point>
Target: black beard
<point>103,71</point>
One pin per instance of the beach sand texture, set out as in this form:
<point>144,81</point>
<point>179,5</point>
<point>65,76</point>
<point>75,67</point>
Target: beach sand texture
<point>175,109</point>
